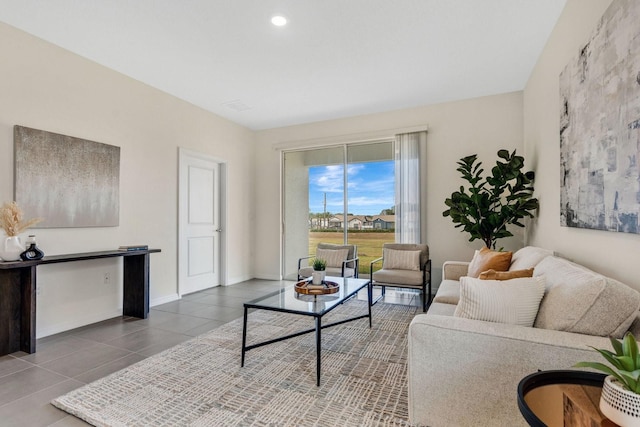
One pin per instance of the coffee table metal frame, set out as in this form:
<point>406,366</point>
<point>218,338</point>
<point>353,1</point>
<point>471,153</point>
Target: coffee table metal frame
<point>255,304</point>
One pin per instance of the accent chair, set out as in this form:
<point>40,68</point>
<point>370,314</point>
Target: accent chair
<point>342,260</point>
<point>404,265</point>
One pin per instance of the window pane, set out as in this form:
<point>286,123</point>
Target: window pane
<point>315,198</point>
<point>370,198</point>
<point>301,175</point>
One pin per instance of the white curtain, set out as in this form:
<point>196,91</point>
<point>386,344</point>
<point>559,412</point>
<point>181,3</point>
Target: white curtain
<point>407,171</point>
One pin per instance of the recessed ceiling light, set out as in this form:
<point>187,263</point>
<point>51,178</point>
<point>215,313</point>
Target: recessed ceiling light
<point>279,21</point>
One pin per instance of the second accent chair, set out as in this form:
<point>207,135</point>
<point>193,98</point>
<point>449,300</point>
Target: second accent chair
<point>342,261</point>
<point>404,265</point>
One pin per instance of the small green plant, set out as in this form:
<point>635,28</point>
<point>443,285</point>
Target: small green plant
<point>319,264</point>
<point>625,360</point>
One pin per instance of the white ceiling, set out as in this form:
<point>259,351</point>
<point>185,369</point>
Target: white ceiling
<point>335,58</point>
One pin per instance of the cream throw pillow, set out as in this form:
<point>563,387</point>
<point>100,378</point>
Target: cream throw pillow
<point>528,257</point>
<point>401,260</point>
<point>333,257</point>
<point>486,259</point>
<point>514,301</point>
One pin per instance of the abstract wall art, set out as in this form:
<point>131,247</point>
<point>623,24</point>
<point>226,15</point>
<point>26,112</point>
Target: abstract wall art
<point>600,126</point>
<point>66,181</point>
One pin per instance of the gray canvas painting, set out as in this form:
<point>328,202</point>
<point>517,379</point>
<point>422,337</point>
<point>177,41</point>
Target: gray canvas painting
<point>66,181</point>
<point>600,126</point>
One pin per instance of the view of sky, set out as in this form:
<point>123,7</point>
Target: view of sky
<point>370,188</point>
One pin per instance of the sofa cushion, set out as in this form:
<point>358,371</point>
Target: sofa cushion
<point>403,277</point>
<point>582,301</point>
<point>528,257</point>
<point>505,275</point>
<point>486,259</point>
<point>448,292</point>
<point>333,257</point>
<point>442,309</point>
<point>402,260</point>
<point>514,301</point>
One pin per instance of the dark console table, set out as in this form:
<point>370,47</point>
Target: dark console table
<point>18,294</point>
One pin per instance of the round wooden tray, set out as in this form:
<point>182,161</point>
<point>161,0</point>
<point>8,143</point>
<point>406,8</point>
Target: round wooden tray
<point>327,287</point>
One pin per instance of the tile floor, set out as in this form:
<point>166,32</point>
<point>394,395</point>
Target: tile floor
<point>71,359</point>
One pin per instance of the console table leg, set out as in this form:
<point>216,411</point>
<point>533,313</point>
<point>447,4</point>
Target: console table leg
<point>28,318</point>
<point>136,286</point>
<point>18,310</point>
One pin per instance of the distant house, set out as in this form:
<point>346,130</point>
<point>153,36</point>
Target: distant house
<point>384,222</point>
<point>355,222</point>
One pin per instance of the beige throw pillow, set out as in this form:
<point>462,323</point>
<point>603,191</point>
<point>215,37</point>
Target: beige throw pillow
<point>514,301</point>
<point>528,257</point>
<point>486,259</point>
<point>333,257</point>
<point>505,275</point>
<point>401,260</point>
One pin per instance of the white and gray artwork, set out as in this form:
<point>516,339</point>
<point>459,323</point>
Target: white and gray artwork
<point>600,126</point>
<point>66,181</point>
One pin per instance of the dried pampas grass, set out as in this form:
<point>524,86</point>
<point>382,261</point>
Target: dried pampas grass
<point>11,219</point>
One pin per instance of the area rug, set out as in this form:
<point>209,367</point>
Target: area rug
<point>200,382</point>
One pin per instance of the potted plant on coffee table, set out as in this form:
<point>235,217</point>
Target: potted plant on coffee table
<point>319,267</point>
<point>620,398</point>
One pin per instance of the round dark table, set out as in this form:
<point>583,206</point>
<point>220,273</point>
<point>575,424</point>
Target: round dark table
<point>562,398</point>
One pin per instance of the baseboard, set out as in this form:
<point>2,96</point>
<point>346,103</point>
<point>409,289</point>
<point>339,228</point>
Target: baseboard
<point>42,332</point>
<point>163,300</point>
<point>234,280</point>
<point>267,276</point>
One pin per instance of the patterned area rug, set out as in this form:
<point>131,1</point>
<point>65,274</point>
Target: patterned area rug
<point>200,382</point>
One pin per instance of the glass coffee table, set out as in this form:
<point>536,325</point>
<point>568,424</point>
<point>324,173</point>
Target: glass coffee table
<point>316,306</point>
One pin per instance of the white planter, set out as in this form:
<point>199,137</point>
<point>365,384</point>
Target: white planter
<point>619,404</point>
<point>317,277</point>
<point>11,248</point>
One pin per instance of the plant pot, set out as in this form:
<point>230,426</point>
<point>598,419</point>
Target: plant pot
<point>619,404</point>
<point>317,277</point>
<point>11,248</point>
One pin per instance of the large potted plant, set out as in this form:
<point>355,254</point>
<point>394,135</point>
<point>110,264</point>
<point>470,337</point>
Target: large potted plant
<point>492,203</point>
<point>620,398</point>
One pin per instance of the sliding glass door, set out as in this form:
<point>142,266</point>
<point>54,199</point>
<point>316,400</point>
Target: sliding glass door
<point>340,194</point>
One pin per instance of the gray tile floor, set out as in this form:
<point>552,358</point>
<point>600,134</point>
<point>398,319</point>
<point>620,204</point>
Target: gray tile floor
<point>65,361</point>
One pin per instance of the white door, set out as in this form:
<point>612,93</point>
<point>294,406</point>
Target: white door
<point>199,222</point>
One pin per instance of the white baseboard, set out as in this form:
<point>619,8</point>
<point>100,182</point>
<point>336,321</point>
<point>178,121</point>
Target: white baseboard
<point>163,300</point>
<point>267,276</point>
<point>234,280</point>
<point>42,332</point>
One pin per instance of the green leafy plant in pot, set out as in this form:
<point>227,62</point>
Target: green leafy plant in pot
<point>620,398</point>
<point>491,203</point>
<point>319,267</point>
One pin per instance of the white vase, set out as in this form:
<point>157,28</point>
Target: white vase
<point>11,248</point>
<point>619,404</point>
<point>317,277</point>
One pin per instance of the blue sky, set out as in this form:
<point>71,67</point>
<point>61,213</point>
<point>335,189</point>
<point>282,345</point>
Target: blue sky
<point>371,187</point>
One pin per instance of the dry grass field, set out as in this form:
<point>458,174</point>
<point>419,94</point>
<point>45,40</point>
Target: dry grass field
<point>369,244</point>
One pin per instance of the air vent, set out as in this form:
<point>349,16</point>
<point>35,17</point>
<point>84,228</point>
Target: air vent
<point>236,105</point>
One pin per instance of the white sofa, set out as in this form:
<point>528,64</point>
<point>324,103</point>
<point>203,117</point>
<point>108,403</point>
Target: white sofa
<point>465,372</point>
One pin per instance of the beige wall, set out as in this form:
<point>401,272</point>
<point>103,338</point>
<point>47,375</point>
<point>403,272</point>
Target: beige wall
<point>614,254</point>
<point>45,87</point>
<point>456,129</point>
